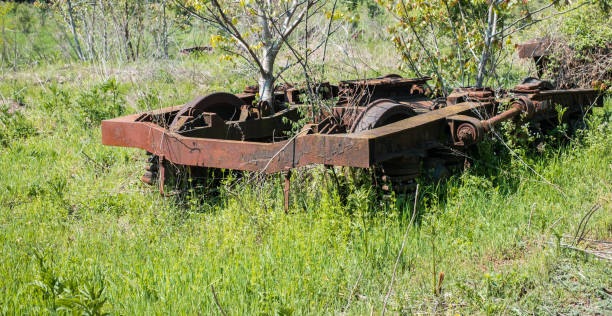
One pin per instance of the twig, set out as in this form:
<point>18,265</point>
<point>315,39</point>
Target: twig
<point>399,255</point>
<point>555,223</point>
<point>547,17</point>
<point>556,187</point>
<point>592,240</point>
<point>290,141</point>
<point>529,14</point>
<point>593,253</point>
<point>581,230</point>
<point>348,303</point>
<point>212,287</point>
<point>530,213</point>
<point>100,165</point>
<point>331,19</point>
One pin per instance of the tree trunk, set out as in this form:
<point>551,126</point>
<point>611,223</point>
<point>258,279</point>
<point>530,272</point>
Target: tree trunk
<point>104,32</point>
<point>266,76</point>
<point>74,33</point>
<point>164,31</point>
<point>486,51</point>
<point>89,29</point>
<point>266,81</point>
<point>126,33</point>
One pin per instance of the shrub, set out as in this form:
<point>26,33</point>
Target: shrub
<point>13,126</point>
<point>101,102</point>
<point>583,56</point>
<point>71,296</point>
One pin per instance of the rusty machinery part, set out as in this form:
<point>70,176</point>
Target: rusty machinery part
<point>395,174</point>
<point>225,105</point>
<point>533,85</point>
<point>363,91</point>
<point>522,104</point>
<point>151,169</point>
<point>400,135</point>
<point>381,112</point>
<point>278,88</point>
<point>251,89</point>
<point>465,130</point>
<point>396,76</point>
<point>535,48</point>
<point>470,94</point>
<point>359,149</point>
<point>177,174</point>
<point>539,50</point>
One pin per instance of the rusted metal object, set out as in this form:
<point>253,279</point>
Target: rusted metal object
<point>533,85</point>
<point>390,124</point>
<point>538,50</point>
<point>467,94</point>
<point>534,49</point>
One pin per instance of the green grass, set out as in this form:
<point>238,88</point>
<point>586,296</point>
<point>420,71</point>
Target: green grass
<point>491,231</point>
<point>80,233</point>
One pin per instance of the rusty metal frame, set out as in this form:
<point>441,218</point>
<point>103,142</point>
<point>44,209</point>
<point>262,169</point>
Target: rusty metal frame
<point>203,139</point>
<point>457,125</point>
<point>361,149</point>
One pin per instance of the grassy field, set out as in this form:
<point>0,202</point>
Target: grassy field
<point>80,233</point>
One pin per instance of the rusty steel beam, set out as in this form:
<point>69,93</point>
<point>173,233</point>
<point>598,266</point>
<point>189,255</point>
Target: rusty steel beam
<point>236,155</point>
<point>418,133</point>
<point>536,48</point>
<point>362,149</point>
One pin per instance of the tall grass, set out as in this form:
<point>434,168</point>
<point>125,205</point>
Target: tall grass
<point>76,208</point>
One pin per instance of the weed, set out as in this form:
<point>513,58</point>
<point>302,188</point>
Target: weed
<point>14,126</point>
<point>68,295</point>
<point>102,102</point>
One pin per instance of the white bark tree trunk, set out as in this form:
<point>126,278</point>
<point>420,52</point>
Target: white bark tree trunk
<point>269,39</point>
<point>77,44</point>
<point>486,50</point>
<point>266,76</point>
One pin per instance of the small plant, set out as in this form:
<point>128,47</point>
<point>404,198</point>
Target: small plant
<point>102,102</point>
<point>149,100</point>
<point>67,295</point>
<point>13,126</point>
<point>59,99</point>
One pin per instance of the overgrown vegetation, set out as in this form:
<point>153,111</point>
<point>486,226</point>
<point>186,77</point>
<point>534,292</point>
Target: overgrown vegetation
<point>81,235</point>
<point>581,54</point>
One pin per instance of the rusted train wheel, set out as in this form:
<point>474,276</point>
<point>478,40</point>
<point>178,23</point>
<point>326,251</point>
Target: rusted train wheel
<point>226,105</point>
<point>397,174</point>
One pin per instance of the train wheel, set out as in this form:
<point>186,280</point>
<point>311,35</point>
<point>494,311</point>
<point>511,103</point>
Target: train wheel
<point>227,106</point>
<point>397,174</point>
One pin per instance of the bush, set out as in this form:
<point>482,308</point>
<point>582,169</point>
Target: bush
<point>100,103</point>
<point>13,126</point>
<point>68,295</point>
<point>583,56</point>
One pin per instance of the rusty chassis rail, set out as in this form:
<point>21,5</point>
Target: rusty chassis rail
<point>361,149</point>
